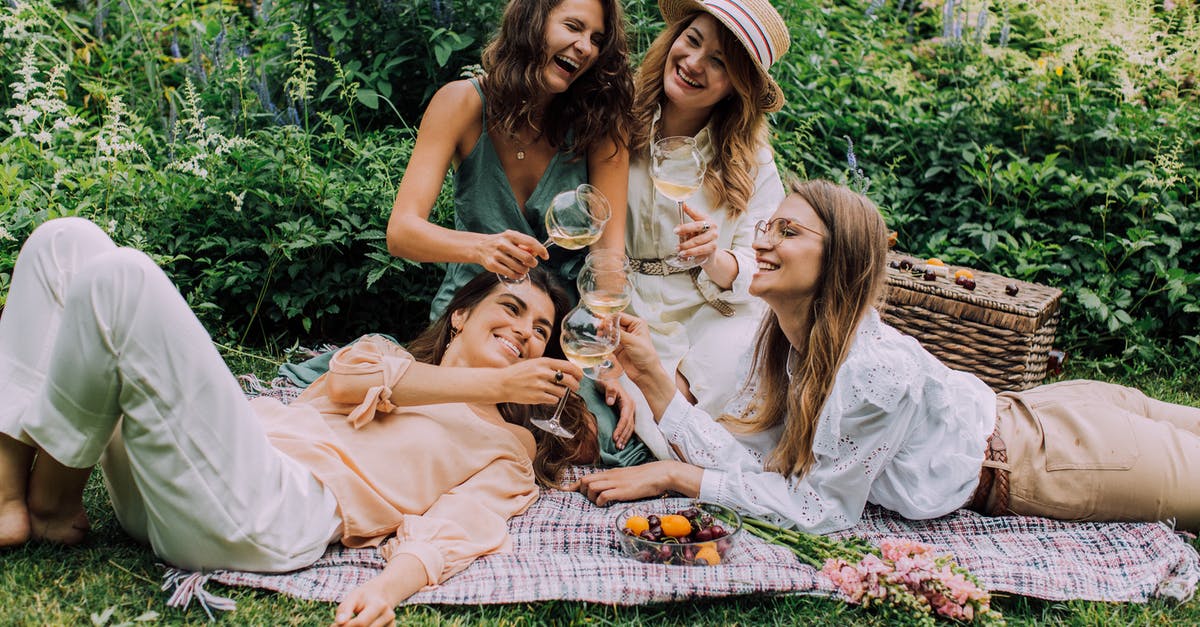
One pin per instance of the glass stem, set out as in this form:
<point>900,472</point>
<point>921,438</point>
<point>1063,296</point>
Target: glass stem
<point>558,409</point>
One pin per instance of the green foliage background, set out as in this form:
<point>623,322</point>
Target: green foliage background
<point>254,148</point>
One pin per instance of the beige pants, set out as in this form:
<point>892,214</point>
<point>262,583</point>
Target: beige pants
<point>101,359</point>
<point>1086,450</point>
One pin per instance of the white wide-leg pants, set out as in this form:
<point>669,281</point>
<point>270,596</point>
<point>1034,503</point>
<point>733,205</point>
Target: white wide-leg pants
<point>102,360</point>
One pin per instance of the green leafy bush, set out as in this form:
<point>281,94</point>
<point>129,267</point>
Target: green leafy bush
<point>255,148</point>
<point>270,219</point>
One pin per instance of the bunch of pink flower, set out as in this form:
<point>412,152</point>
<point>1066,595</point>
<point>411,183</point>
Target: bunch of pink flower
<point>908,576</point>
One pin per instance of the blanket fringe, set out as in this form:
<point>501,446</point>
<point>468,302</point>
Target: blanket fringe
<point>1178,589</point>
<point>251,385</point>
<point>185,586</point>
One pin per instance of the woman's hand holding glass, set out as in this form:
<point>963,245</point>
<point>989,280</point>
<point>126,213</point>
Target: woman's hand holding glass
<point>635,351</point>
<point>540,381</point>
<point>587,340</point>
<point>575,219</point>
<point>510,254</point>
<point>698,238</point>
<point>677,169</point>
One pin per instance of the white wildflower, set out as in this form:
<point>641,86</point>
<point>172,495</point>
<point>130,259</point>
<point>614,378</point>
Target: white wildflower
<point>202,141</point>
<point>113,142</point>
<point>303,80</point>
<point>39,105</point>
<point>5,235</point>
<point>237,200</point>
<point>21,21</point>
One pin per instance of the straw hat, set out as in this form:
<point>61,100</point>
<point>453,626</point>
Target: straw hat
<point>754,22</point>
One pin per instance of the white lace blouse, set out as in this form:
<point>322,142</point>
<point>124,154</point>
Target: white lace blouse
<point>900,429</point>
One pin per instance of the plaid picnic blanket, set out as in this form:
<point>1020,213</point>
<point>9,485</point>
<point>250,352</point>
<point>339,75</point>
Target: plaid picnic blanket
<point>566,548</point>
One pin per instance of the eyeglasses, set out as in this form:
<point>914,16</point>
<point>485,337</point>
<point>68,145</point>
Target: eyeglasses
<point>779,229</point>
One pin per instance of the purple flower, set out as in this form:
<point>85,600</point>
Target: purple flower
<point>1005,30</point>
<point>981,23</point>
<point>98,23</point>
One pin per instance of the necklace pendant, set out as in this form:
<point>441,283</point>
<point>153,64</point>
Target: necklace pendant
<point>520,155</point>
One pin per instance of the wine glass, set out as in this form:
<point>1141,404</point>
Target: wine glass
<point>586,340</point>
<point>604,283</point>
<point>574,219</point>
<point>605,288</point>
<point>677,169</point>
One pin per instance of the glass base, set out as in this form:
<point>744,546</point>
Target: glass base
<point>605,371</point>
<point>682,263</point>
<point>507,282</point>
<point>551,425</point>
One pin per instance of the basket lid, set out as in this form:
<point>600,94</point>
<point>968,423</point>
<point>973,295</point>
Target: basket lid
<point>989,303</point>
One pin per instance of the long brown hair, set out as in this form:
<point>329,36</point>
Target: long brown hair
<point>554,454</point>
<point>739,123</point>
<point>852,280</point>
<point>596,106</point>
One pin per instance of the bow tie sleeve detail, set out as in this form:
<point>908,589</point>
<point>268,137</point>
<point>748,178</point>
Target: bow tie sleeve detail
<point>372,355</point>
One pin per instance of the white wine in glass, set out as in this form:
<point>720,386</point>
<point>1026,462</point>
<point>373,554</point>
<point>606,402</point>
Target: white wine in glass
<point>574,219</point>
<point>605,287</point>
<point>675,191</point>
<point>588,339</point>
<point>677,169</point>
<point>606,304</point>
<point>587,354</point>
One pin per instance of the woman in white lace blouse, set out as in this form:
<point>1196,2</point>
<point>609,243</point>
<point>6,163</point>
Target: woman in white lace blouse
<point>841,410</point>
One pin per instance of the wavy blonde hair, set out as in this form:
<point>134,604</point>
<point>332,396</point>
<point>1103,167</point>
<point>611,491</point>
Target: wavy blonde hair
<point>739,124</point>
<point>853,278</point>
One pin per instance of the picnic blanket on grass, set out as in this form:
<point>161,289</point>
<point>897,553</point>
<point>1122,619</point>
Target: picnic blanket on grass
<point>565,548</point>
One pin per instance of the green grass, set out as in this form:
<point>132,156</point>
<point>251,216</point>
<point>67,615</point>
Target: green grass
<point>57,586</point>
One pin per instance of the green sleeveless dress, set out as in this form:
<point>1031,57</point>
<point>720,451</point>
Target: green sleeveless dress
<point>484,203</point>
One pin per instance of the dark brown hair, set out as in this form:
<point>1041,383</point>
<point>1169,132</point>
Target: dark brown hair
<point>596,106</point>
<point>554,454</point>
<point>852,280</point>
<point>739,123</point>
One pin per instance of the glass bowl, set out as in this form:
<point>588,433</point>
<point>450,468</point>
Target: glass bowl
<point>668,546</point>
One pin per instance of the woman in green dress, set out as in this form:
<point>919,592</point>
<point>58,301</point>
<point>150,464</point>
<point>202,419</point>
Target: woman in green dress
<point>551,112</point>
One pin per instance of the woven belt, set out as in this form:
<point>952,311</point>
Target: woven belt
<point>658,267</point>
<point>654,267</point>
<point>992,481</point>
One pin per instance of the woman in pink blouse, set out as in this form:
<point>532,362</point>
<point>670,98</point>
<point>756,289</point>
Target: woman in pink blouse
<point>841,410</point>
<point>422,453</point>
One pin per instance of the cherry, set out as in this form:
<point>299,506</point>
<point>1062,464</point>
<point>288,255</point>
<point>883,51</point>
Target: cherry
<point>1011,289</point>
<point>930,275</point>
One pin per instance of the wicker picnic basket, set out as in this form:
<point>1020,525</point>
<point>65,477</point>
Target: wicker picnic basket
<point>1003,339</point>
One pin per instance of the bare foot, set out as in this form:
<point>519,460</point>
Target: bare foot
<point>68,528</point>
<point>14,522</point>
<point>15,459</point>
<point>55,501</point>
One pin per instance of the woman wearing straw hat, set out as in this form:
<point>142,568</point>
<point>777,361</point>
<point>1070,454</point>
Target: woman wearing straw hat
<point>704,77</point>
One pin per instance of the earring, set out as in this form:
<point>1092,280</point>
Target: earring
<point>453,334</point>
